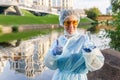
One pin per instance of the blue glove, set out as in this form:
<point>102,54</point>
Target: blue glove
<point>57,51</point>
<point>89,47</point>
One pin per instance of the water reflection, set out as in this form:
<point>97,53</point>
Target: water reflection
<point>25,62</point>
<point>27,58</point>
<point>100,39</point>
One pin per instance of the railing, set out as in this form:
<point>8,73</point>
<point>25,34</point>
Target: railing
<point>40,9</point>
<point>36,8</point>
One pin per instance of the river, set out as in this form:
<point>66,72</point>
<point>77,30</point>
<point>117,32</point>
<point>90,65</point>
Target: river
<point>25,62</point>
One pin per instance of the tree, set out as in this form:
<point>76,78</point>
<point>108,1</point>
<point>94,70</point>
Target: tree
<point>114,35</point>
<point>115,5</point>
<point>92,13</point>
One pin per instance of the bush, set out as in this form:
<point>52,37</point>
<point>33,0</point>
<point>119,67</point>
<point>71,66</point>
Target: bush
<point>92,29</point>
<point>94,23</point>
<point>92,13</point>
<point>15,28</point>
<point>114,35</point>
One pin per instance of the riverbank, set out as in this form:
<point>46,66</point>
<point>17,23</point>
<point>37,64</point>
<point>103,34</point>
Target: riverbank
<point>21,32</point>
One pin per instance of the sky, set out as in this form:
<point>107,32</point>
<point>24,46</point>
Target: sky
<point>86,4</point>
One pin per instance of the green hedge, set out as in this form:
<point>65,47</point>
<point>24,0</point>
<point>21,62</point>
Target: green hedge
<point>15,28</point>
<point>0,29</point>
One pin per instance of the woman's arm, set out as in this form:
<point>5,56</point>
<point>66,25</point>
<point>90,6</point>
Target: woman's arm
<point>52,55</point>
<point>50,59</point>
<point>94,59</point>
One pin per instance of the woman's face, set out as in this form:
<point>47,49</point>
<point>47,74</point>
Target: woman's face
<point>70,24</point>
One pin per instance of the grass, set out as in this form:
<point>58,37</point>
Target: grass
<point>86,20</point>
<point>28,18</point>
<point>86,26</point>
<point>19,20</point>
<point>27,13</point>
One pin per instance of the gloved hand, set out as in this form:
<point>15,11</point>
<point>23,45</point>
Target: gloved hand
<point>57,50</point>
<point>88,47</point>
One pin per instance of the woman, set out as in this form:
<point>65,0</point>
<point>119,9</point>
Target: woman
<point>73,54</point>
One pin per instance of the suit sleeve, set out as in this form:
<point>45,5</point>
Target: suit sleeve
<point>94,59</point>
<point>50,59</point>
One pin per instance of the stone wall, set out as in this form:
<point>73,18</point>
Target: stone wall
<point>36,27</point>
<point>21,28</point>
<point>111,68</point>
<point>84,23</point>
<point>6,30</point>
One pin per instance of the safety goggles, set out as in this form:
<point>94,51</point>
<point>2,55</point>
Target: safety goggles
<point>74,22</point>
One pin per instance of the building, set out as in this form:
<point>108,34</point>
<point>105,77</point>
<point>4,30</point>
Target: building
<point>62,4</point>
<point>8,2</point>
<point>42,4</point>
<point>27,3</point>
<point>55,4</point>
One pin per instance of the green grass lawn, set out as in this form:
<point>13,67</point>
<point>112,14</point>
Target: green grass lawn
<point>86,20</point>
<point>19,20</point>
<point>28,18</point>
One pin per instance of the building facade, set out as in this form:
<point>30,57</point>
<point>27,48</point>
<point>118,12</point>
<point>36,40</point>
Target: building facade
<point>51,4</point>
<point>27,3</point>
<point>43,4</point>
<point>62,4</point>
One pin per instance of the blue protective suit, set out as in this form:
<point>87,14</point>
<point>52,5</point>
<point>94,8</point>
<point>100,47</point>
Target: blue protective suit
<point>74,62</point>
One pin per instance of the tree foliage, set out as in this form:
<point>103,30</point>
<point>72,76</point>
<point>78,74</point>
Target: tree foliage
<point>115,6</point>
<point>92,13</point>
<point>115,34</point>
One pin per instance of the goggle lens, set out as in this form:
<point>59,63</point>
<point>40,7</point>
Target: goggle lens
<point>74,22</point>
